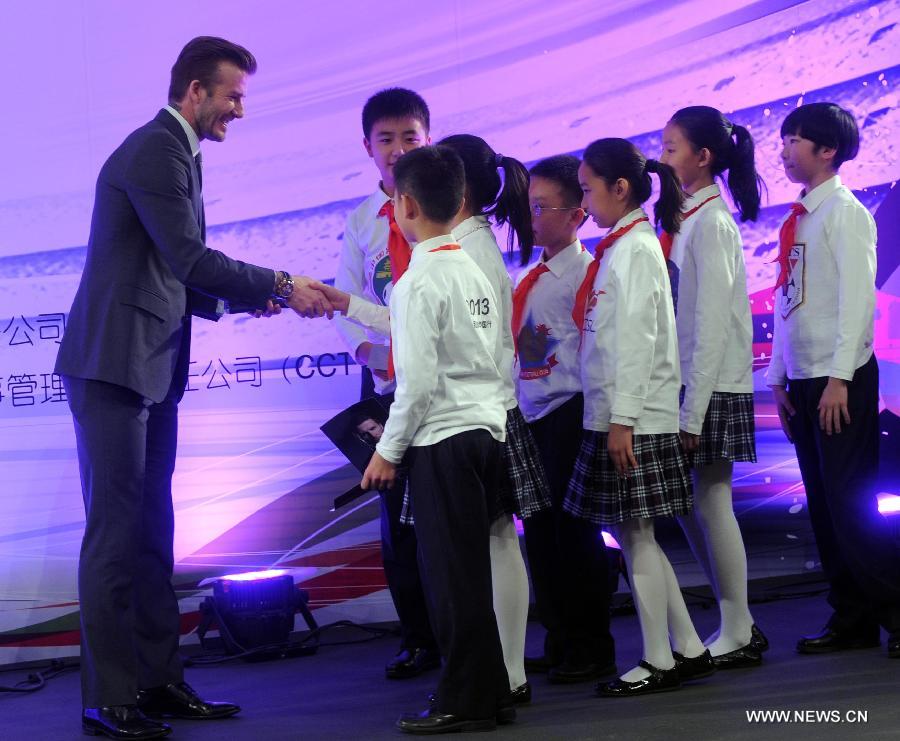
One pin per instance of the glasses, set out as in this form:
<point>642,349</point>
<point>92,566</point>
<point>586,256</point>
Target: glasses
<point>537,209</point>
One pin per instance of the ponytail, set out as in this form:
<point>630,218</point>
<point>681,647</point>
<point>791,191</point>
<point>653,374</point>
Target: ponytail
<point>744,183</point>
<point>504,200</point>
<point>667,209</point>
<point>512,207</point>
<point>732,149</point>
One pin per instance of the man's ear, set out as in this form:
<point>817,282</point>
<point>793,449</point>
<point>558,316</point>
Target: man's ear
<point>368,146</point>
<point>196,91</point>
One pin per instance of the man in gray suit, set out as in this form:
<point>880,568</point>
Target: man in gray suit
<point>124,362</point>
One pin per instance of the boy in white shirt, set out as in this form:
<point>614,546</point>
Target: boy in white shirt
<point>566,555</point>
<point>373,256</point>
<point>449,418</point>
<point>824,376</point>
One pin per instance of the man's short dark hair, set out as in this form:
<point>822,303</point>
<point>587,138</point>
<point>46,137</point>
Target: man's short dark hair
<point>200,59</point>
<point>435,178</point>
<point>826,125</point>
<point>562,169</point>
<point>394,102</point>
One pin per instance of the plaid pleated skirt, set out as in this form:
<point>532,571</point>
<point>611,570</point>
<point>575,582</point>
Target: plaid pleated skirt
<point>729,430</point>
<point>660,486</point>
<point>525,490</point>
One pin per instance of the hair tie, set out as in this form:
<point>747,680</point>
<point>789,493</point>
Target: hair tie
<point>651,166</point>
<point>498,160</point>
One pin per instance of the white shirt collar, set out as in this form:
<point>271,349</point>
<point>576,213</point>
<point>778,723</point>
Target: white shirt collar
<point>464,228</point>
<point>701,195</point>
<point>433,243</point>
<point>193,141</point>
<point>629,218</point>
<point>812,200</point>
<point>560,262</point>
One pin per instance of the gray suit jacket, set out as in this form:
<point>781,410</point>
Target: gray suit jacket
<point>148,269</point>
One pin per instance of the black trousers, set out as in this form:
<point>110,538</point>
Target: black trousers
<point>566,555</point>
<point>399,553</point>
<point>859,555</point>
<point>129,612</point>
<point>452,482</point>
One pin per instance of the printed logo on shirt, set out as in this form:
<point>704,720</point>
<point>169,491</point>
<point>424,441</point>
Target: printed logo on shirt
<point>792,291</point>
<point>588,325</point>
<point>382,278</point>
<point>480,309</point>
<point>536,350</point>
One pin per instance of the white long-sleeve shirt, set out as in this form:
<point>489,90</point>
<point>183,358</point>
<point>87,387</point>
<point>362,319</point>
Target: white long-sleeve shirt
<point>447,345</point>
<point>712,316</point>
<point>824,314</point>
<point>547,370</point>
<point>364,271</point>
<point>629,353</point>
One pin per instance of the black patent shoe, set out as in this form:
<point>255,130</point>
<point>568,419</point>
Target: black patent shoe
<point>741,658</point>
<point>412,662</point>
<point>758,639</point>
<point>179,700</point>
<point>660,680</point>
<point>431,721</point>
<point>121,721</point>
<point>696,667</point>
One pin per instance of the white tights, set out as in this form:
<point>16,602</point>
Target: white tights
<point>510,582</point>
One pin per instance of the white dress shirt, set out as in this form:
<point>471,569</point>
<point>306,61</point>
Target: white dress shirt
<point>447,346</point>
<point>824,314</point>
<point>712,316</point>
<point>547,370</point>
<point>364,271</point>
<point>629,353</point>
<point>193,139</point>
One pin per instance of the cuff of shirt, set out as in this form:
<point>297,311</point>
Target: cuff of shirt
<point>844,375</point>
<point>617,419</point>
<point>625,405</point>
<point>389,453</point>
<point>776,379</point>
<point>693,426</point>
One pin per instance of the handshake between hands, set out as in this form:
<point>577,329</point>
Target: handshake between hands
<point>310,299</point>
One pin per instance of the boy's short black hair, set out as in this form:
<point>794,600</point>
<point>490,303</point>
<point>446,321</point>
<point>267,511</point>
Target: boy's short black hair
<point>435,178</point>
<point>394,102</point>
<point>826,125</point>
<point>562,169</point>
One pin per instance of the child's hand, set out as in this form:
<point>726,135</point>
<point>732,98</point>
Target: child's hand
<point>689,441</point>
<point>380,474</point>
<point>339,300</point>
<point>618,443</point>
<point>833,406</point>
<point>785,410</point>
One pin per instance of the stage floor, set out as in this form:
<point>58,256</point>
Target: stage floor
<point>341,693</point>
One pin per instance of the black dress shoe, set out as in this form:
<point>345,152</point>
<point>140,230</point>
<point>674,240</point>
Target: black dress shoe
<point>660,680</point>
<point>894,645</point>
<point>121,721</point>
<point>181,701</point>
<point>740,658</point>
<point>830,640</point>
<point>758,639</point>
<point>539,664</point>
<point>567,673</point>
<point>521,695</point>
<point>412,662</point>
<point>695,667</point>
<point>506,712</point>
<point>431,721</point>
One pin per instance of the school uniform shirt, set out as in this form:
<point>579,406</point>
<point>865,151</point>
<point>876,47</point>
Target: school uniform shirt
<point>712,307</point>
<point>364,270</point>
<point>629,351</point>
<point>824,314</point>
<point>477,239</point>
<point>547,369</point>
<point>446,330</point>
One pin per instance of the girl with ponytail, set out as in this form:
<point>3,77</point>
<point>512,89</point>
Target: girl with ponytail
<point>715,336</point>
<point>631,468</point>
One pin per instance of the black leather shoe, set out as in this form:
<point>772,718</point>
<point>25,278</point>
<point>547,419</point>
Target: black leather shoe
<point>121,721</point>
<point>695,667</point>
<point>740,658</point>
<point>758,639</point>
<point>181,701</point>
<point>894,645</point>
<point>521,695</point>
<point>412,662</point>
<point>539,664</point>
<point>506,712</point>
<point>660,680</point>
<point>830,640</point>
<point>567,673</point>
<point>431,721</point>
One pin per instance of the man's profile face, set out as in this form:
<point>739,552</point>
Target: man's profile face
<point>223,103</point>
<point>371,427</point>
